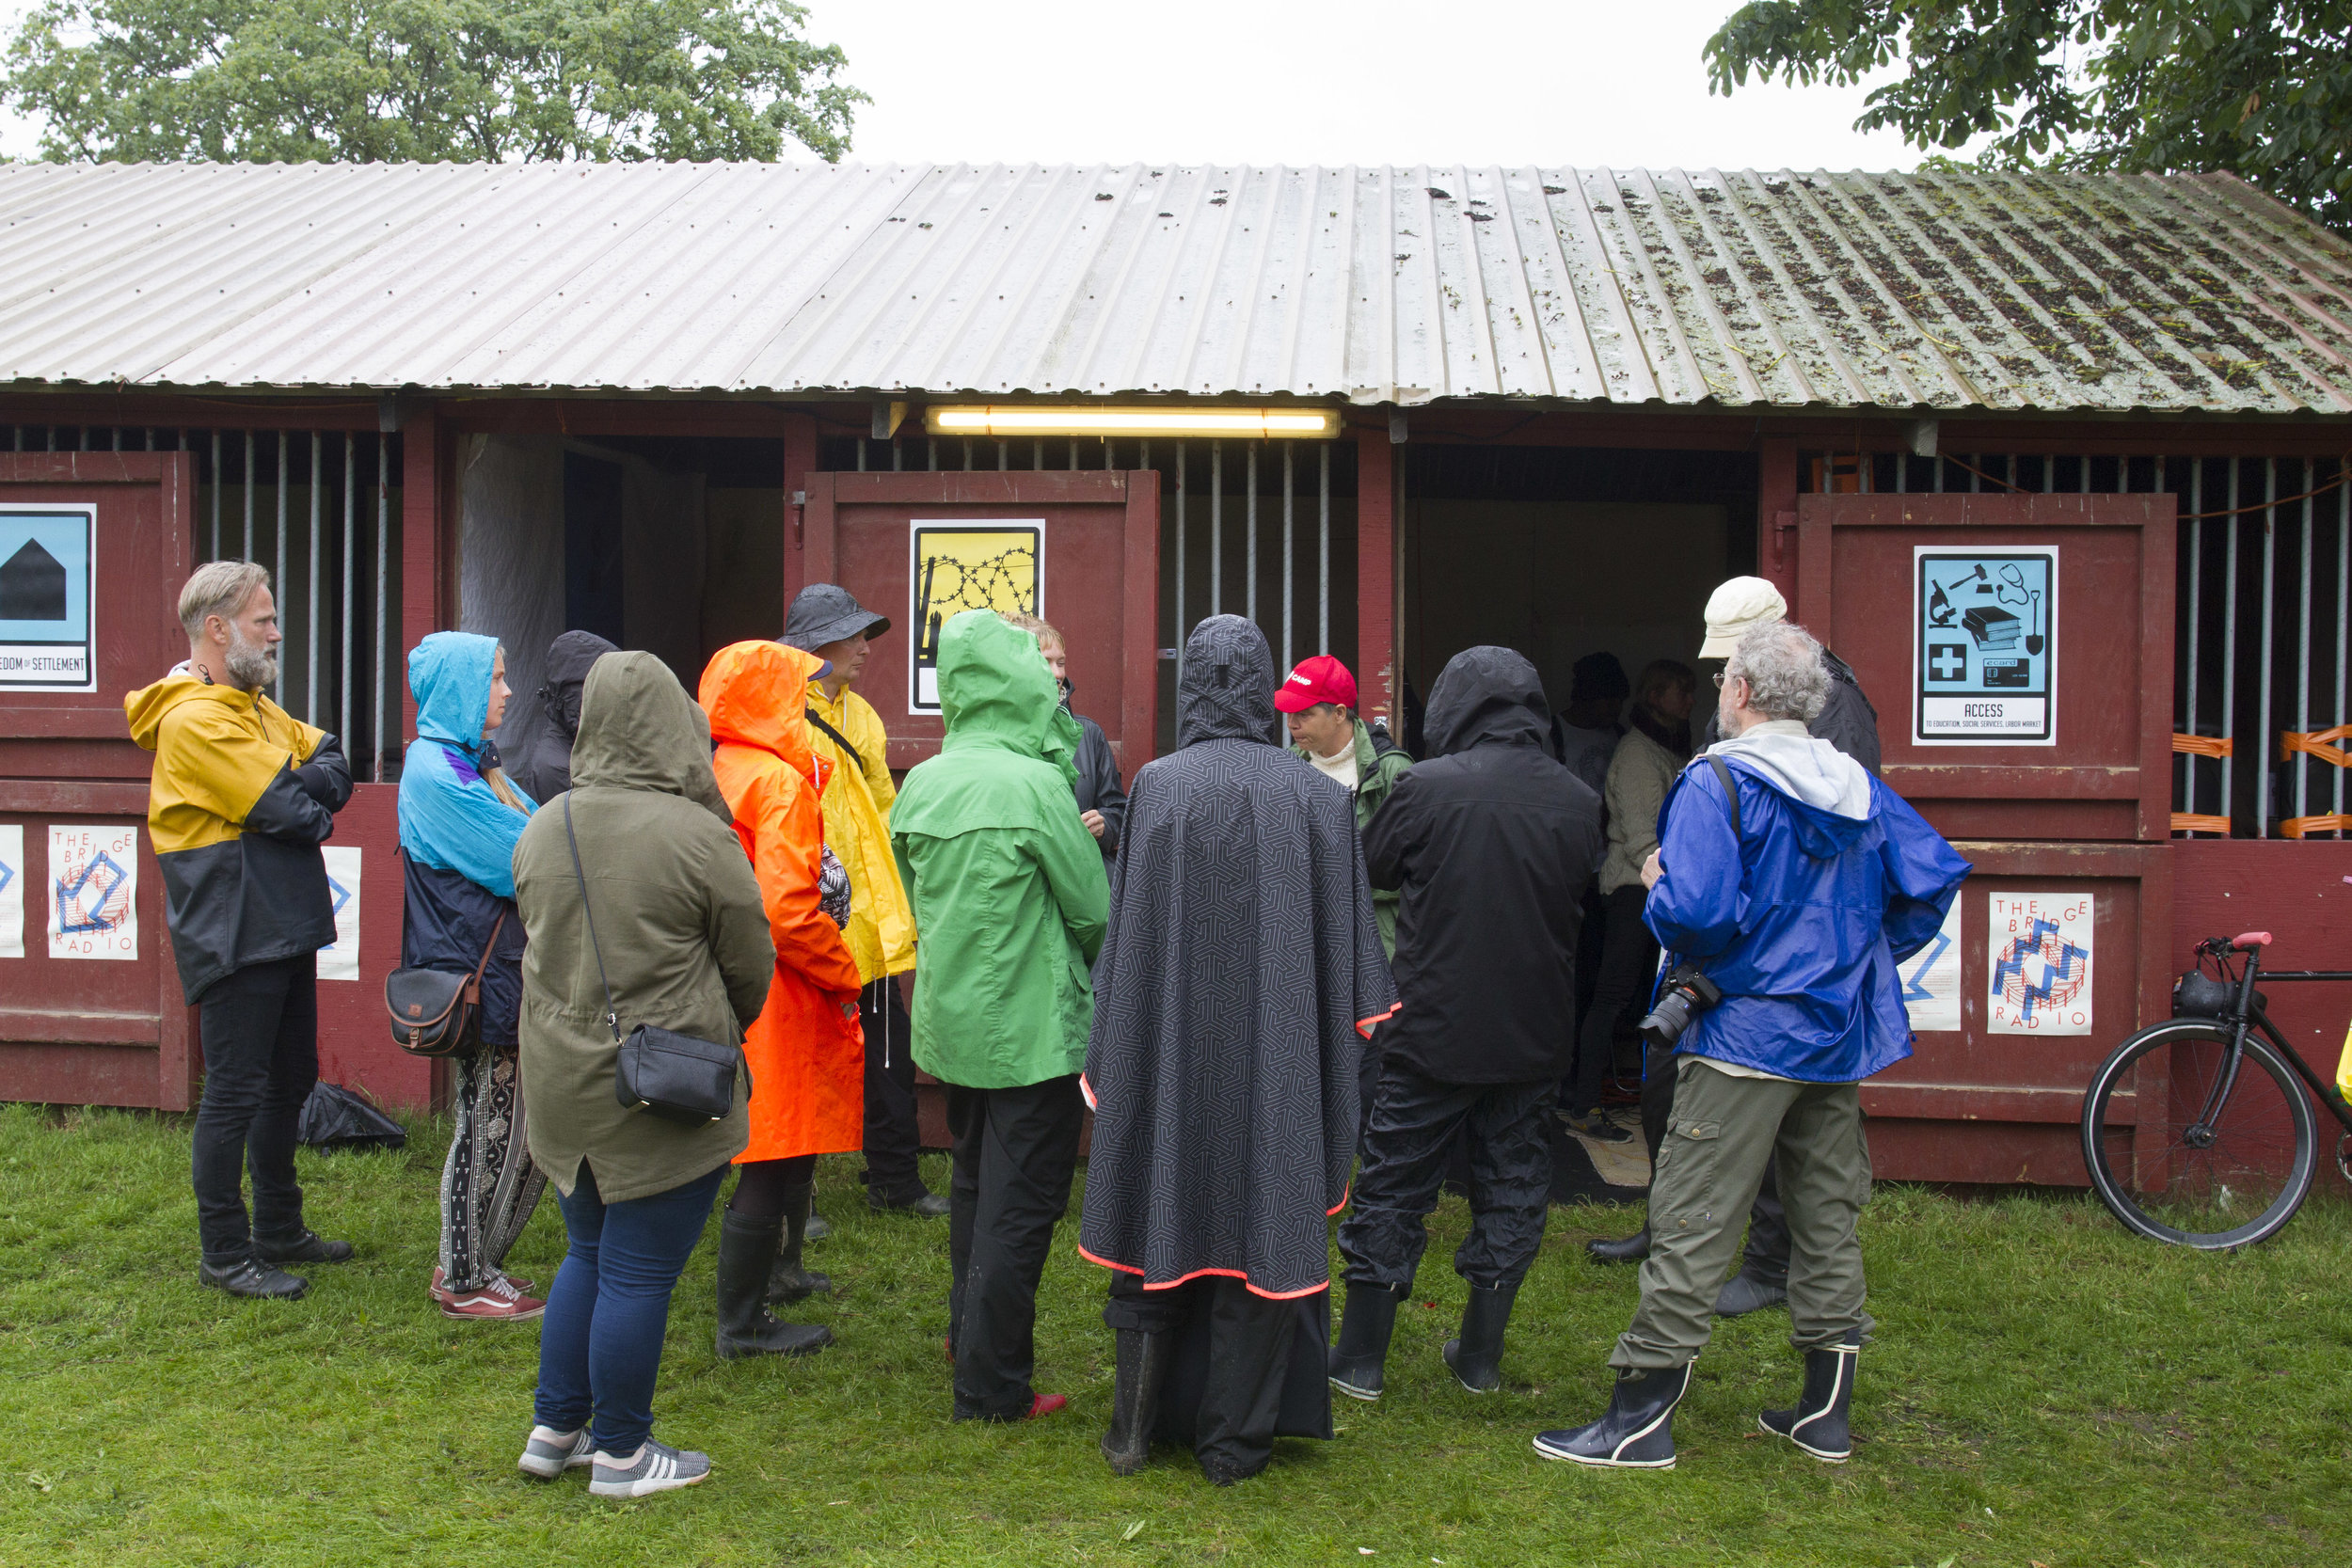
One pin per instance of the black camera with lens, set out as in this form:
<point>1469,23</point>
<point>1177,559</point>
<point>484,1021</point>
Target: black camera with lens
<point>1683,993</point>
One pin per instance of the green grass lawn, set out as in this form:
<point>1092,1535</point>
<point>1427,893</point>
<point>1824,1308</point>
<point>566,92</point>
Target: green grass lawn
<point>2044,1390</point>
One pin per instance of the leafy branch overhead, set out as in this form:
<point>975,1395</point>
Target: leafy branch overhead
<point>364,81</point>
<point>2262,88</point>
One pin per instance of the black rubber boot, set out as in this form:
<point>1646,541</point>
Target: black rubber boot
<point>1143,1361</point>
<point>745,1248</point>
<point>1636,1431</point>
<point>1822,1424</point>
<point>1358,1360</point>
<point>1628,1249</point>
<point>252,1278</point>
<point>1476,1358</point>
<point>1744,1293</point>
<point>787,1280</point>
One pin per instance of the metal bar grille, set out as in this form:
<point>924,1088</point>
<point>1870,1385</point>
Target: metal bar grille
<point>1203,544</point>
<point>2264,570</point>
<point>339,667</point>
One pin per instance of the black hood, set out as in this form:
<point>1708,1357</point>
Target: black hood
<point>1227,689</point>
<point>1486,695</point>
<point>536,738</point>
<point>568,658</point>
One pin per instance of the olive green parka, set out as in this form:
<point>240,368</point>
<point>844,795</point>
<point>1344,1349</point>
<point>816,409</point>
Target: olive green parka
<point>678,917</point>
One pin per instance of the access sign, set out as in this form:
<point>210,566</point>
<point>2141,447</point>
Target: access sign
<point>1985,650</point>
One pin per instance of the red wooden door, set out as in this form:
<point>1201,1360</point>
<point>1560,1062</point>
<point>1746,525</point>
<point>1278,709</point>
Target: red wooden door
<point>1086,543</point>
<point>106,1025</point>
<point>2019,651</point>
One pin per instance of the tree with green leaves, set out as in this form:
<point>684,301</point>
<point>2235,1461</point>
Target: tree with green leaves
<point>366,81</point>
<point>2262,88</point>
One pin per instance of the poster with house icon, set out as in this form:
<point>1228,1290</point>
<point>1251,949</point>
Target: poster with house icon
<point>1984,647</point>
<point>48,597</point>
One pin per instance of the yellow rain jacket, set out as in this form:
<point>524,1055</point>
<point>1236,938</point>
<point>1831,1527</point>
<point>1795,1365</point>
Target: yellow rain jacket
<point>242,795</point>
<point>857,799</point>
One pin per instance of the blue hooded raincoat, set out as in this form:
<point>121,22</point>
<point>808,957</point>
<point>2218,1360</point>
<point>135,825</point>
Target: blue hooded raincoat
<point>457,836</point>
<point>1837,880</point>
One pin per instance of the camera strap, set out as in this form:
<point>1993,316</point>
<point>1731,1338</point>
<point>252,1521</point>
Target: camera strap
<point>1722,776</point>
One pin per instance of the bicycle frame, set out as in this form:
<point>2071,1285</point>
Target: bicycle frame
<point>2248,1013</point>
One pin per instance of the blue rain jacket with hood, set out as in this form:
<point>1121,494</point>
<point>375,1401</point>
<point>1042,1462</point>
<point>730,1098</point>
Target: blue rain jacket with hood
<point>457,836</point>
<point>1833,880</point>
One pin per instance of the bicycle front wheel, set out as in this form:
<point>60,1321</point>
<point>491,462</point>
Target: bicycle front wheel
<point>2226,1183</point>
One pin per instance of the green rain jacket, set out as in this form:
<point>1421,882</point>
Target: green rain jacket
<point>1008,891</point>
<point>1379,763</point>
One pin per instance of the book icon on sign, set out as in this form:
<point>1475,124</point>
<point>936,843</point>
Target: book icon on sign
<point>95,901</point>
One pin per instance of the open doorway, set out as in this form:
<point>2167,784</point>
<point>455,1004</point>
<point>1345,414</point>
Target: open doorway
<point>671,545</point>
<point>1561,552</point>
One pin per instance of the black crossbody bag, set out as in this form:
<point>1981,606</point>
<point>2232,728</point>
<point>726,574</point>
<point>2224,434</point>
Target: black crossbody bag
<point>679,1078</point>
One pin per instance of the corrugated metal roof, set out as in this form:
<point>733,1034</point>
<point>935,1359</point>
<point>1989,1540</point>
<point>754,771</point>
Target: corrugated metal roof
<point>1937,289</point>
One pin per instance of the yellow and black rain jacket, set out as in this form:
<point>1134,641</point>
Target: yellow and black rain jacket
<point>243,796</point>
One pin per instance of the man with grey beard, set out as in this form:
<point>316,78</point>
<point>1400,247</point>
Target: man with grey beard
<point>242,797</point>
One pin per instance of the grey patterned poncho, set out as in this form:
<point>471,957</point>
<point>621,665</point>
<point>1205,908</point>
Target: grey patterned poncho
<point>1232,999</point>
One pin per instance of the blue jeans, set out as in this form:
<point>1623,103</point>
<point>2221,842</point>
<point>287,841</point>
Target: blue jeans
<point>601,1339</point>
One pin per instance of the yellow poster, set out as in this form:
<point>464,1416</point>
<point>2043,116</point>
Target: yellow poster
<point>956,566</point>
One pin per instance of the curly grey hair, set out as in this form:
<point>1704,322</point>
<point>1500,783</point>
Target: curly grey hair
<point>1782,664</point>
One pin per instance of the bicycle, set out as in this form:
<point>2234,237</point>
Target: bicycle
<point>2230,1156</point>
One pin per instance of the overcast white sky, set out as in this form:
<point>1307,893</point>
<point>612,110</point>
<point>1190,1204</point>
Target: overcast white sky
<point>1576,82</point>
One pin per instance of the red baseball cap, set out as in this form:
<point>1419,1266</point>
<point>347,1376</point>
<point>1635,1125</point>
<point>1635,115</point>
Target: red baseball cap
<point>1320,679</point>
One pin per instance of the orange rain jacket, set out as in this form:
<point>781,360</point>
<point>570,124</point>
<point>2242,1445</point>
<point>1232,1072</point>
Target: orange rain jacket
<point>806,1051</point>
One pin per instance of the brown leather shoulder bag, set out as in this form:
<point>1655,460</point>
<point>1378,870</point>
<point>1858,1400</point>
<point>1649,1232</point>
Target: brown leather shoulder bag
<point>438,1012</point>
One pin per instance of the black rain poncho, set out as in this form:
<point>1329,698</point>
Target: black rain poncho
<point>1242,975</point>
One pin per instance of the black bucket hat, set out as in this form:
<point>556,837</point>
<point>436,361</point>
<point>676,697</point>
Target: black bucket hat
<point>827,612</point>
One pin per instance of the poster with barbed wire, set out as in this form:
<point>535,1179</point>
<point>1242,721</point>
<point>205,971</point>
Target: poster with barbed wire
<point>960,564</point>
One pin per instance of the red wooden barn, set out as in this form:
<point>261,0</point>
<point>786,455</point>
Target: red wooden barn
<point>2057,464</point>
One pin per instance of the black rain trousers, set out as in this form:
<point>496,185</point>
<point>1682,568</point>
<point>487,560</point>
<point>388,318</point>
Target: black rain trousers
<point>1015,1152</point>
<point>1414,1120</point>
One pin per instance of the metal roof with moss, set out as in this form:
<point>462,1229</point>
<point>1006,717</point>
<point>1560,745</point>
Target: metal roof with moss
<point>1939,289</point>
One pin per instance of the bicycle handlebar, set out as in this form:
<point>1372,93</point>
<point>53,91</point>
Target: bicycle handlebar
<point>2246,940</point>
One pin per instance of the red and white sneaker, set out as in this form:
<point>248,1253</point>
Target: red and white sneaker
<point>496,1300</point>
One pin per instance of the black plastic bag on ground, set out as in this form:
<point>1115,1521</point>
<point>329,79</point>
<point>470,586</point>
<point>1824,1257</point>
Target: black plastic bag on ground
<point>334,1117</point>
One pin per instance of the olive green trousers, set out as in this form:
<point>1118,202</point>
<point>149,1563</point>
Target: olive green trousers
<point>1723,1132</point>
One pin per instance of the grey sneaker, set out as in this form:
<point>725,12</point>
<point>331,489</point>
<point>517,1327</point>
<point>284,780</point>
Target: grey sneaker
<point>655,1467</point>
<point>548,1454</point>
